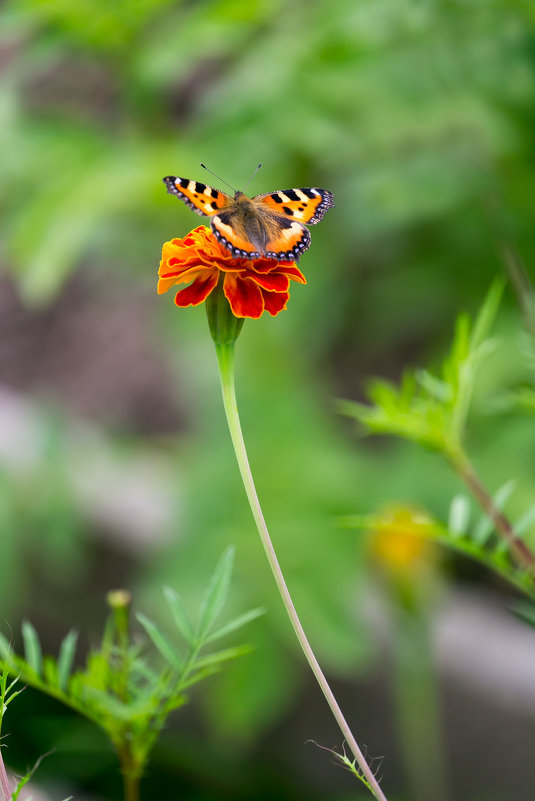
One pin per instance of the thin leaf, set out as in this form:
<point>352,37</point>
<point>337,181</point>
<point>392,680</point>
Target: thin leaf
<point>180,616</point>
<point>161,642</point>
<point>459,516</point>
<point>434,386</point>
<point>485,526</point>
<point>66,658</point>
<point>237,623</point>
<point>524,522</point>
<point>222,656</point>
<point>25,779</point>
<point>32,647</point>
<point>5,648</point>
<point>488,312</point>
<point>216,593</point>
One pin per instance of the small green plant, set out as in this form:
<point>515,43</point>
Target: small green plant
<point>432,411</point>
<point>8,693</point>
<point>125,688</point>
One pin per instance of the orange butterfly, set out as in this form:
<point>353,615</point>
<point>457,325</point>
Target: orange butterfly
<point>270,225</point>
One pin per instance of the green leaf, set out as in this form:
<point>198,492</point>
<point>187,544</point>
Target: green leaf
<point>161,642</point>
<point>222,656</point>
<point>5,648</point>
<point>216,594</point>
<point>180,616</point>
<point>524,522</point>
<point>485,526</point>
<point>237,623</point>
<point>487,314</point>
<point>25,779</point>
<point>32,647</point>
<point>459,516</point>
<point>66,658</point>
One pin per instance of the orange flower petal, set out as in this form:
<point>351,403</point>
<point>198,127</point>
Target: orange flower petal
<point>244,296</point>
<point>251,287</point>
<point>273,282</point>
<point>198,291</point>
<point>294,273</point>
<point>275,302</point>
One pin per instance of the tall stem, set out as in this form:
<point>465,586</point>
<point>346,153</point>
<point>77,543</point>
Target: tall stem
<point>5,790</point>
<point>503,525</point>
<point>225,357</point>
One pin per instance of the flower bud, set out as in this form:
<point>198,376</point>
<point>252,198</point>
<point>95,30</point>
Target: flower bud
<point>224,326</point>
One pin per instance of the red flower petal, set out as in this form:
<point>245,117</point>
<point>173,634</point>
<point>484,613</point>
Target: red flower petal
<point>272,282</point>
<point>274,302</point>
<point>267,265</point>
<point>244,296</point>
<point>293,272</point>
<point>198,291</point>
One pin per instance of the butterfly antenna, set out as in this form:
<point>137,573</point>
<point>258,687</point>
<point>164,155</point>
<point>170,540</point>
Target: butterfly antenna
<point>251,178</point>
<point>217,176</point>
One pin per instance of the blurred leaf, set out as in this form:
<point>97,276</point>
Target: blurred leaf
<point>180,616</point>
<point>216,594</point>
<point>237,623</point>
<point>66,658</point>
<point>161,642</point>
<point>459,516</point>
<point>485,526</point>
<point>32,647</point>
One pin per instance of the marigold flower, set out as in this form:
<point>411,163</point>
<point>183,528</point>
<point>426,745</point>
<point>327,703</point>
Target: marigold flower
<point>251,287</point>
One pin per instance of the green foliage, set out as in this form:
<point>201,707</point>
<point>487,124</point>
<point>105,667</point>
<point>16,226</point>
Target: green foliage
<point>470,535</point>
<point>428,409</point>
<point>125,688</point>
<point>7,695</point>
<point>351,765</point>
<point>433,412</point>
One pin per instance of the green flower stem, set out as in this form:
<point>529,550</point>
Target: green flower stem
<point>225,357</point>
<point>503,525</point>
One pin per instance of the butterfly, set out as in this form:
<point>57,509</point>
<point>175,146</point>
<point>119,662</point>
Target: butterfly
<point>272,225</point>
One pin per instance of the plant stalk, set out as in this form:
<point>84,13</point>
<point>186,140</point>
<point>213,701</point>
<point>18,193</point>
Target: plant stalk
<point>5,789</point>
<point>503,525</point>
<point>131,777</point>
<point>225,357</point>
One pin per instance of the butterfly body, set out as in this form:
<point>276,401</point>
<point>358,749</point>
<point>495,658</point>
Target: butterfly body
<point>272,225</point>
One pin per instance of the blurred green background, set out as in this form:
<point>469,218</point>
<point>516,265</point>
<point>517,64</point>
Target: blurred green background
<point>116,466</point>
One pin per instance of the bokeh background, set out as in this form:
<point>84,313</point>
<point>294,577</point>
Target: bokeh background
<point>116,467</point>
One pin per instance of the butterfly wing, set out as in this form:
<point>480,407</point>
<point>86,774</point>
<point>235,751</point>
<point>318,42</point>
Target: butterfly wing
<point>201,198</point>
<point>303,205</point>
<point>288,240</point>
<point>229,230</point>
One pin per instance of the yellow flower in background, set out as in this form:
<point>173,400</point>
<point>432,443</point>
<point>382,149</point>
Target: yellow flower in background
<point>400,539</point>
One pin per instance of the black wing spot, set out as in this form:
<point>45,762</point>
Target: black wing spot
<point>309,193</point>
<point>184,183</point>
<point>213,204</point>
<point>200,188</point>
<point>277,198</point>
<point>288,211</point>
<point>291,194</point>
